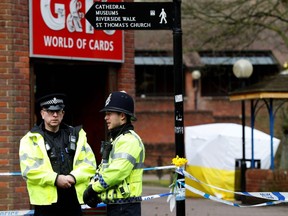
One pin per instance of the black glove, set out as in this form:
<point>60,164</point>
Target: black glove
<point>90,197</point>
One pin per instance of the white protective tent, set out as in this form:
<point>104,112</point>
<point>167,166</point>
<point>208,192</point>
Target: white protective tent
<point>212,149</point>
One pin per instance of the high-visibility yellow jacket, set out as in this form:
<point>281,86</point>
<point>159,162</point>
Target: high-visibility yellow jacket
<point>121,177</point>
<point>40,178</point>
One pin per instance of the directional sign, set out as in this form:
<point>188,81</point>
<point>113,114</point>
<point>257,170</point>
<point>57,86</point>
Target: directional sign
<point>131,15</point>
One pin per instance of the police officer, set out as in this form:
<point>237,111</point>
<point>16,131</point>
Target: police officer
<point>56,161</point>
<point>118,181</point>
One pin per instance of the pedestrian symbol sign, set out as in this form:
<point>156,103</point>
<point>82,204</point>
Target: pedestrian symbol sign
<point>131,15</point>
<point>163,16</point>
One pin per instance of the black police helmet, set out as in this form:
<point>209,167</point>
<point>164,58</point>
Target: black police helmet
<point>120,102</point>
<point>52,102</point>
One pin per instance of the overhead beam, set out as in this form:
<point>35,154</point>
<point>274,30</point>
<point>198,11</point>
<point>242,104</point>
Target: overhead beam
<point>259,95</point>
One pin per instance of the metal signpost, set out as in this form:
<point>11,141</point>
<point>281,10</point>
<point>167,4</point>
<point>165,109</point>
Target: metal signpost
<point>149,16</point>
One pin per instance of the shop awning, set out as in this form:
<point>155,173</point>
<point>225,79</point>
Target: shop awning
<point>255,60</point>
<point>153,60</point>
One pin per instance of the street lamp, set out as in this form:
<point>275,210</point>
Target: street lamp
<point>196,74</point>
<point>243,69</point>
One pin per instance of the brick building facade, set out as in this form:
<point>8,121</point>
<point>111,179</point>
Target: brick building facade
<point>15,98</point>
<point>19,76</point>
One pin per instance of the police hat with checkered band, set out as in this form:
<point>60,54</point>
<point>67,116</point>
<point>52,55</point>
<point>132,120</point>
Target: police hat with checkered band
<point>52,102</point>
<point>120,102</point>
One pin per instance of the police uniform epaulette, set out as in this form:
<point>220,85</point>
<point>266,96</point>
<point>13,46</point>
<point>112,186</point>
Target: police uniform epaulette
<point>125,132</point>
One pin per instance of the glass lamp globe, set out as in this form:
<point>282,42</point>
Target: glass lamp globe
<point>242,68</point>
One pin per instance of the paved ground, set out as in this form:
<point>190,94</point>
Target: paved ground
<point>202,207</point>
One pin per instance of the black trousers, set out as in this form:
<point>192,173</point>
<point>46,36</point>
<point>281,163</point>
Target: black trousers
<point>127,209</point>
<point>67,205</point>
<point>56,210</point>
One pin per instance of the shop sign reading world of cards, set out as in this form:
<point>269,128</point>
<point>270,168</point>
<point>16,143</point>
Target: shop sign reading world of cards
<point>58,29</point>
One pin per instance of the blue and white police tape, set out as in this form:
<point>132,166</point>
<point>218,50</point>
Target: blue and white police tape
<point>275,196</point>
<point>210,197</point>
<point>145,169</point>
<point>10,174</point>
<point>31,212</point>
<point>17,212</point>
<point>159,168</point>
<point>144,198</point>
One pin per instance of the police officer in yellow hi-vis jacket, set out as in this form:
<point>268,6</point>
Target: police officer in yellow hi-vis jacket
<point>56,162</point>
<point>118,181</point>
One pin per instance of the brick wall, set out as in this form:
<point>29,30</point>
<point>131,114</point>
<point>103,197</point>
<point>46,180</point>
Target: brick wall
<point>126,75</point>
<point>14,98</point>
<point>155,125</point>
<point>259,180</point>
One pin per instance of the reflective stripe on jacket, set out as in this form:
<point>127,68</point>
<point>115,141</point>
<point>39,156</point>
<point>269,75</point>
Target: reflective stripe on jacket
<point>121,177</point>
<point>40,178</point>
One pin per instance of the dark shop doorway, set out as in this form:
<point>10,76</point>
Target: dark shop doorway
<point>85,89</point>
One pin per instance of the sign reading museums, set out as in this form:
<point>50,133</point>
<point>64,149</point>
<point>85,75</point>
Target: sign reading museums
<point>131,15</point>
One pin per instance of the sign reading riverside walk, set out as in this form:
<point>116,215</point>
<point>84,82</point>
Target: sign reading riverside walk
<point>131,15</point>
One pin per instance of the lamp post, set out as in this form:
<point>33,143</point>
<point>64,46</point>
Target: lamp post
<point>196,74</point>
<point>243,69</point>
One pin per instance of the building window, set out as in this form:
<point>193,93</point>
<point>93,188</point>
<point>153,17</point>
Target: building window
<point>154,74</point>
<point>154,80</point>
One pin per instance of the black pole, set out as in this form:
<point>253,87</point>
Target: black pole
<point>195,85</point>
<point>243,161</point>
<point>178,94</point>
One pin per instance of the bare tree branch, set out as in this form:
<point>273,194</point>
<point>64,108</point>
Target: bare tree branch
<point>234,23</point>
